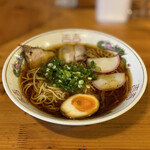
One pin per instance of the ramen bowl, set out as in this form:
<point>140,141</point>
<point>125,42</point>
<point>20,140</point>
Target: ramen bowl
<point>14,63</point>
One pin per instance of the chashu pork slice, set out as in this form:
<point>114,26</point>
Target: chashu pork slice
<point>36,55</point>
<point>67,54</point>
<point>80,52</point>
<point>72,53</point>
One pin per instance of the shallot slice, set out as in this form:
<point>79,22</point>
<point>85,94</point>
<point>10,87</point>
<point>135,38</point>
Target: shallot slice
<point>110,82</point>
<point>106,65</point>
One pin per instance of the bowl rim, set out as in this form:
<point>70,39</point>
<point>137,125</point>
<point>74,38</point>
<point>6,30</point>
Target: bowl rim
<point>74,122</point>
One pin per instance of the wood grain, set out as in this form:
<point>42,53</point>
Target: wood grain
<point>130,131</point>
<point>86,4</point>
<point>20,16</point>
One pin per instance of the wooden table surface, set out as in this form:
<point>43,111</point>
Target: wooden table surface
<point>130,131</point>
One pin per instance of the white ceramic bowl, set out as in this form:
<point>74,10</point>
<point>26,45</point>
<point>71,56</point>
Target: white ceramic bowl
<point>135,63</point>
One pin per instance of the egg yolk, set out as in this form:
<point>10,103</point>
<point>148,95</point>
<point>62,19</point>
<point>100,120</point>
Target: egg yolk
<point>83,103</point>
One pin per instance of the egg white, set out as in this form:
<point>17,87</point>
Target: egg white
<point>69,110</point>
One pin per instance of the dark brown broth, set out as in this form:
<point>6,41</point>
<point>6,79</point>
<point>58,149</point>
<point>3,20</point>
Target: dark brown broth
<point>110,101</point>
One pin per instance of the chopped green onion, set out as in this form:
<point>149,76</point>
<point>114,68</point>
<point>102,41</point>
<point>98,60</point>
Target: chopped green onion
<point>46,74</point>
<point>47,69</point>
<point>88,86</point>
<point>49,64</point>
<point>97,69</point>
<point>69,77</point>
<point>54,67</point>
<point>89,78</point>
<point>81,81</point>
<point>59,81</point>
<point>79,86</point>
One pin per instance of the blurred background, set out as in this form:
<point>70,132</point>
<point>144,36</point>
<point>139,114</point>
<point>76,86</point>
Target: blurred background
<point>23,19</point>
<point>18,17</point>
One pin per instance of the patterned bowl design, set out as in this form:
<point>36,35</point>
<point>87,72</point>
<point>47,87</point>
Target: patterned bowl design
<point>15,60</point>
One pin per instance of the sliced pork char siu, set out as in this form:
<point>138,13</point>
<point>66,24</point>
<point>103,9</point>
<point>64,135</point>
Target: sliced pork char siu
<point>35,55</point>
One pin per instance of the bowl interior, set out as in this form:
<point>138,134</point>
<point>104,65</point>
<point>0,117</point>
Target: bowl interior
<point>134,62</point>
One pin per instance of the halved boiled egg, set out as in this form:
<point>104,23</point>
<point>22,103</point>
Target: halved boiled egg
<point>80,106</point>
